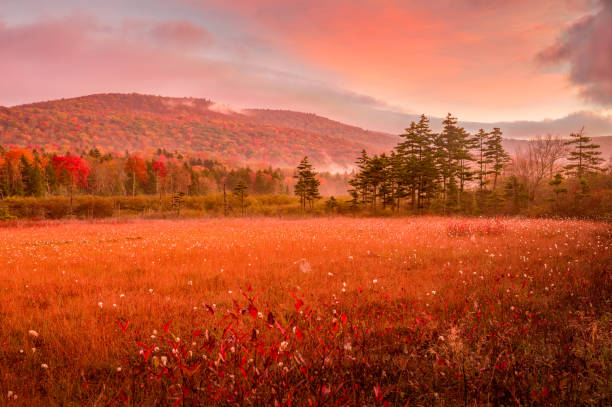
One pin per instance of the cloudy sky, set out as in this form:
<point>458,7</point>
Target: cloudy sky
<point>374,63</point>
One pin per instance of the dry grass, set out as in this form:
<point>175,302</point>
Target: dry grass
<point>425,310</point>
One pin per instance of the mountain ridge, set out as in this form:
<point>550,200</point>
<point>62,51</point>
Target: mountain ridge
<point>134,122</point>
<point>118,122</point>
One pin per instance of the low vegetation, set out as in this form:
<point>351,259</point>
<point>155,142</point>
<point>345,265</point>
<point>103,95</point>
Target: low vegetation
<point>421,311</point>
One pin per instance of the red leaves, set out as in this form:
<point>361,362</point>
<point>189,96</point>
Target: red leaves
<point>146,351</point>
<point>160,169</point>
<point>166,327</point>
<point>136,167</point>
<point>71,170</point>
<point>298,304</point>
<point>252,310</point>
<point>299,333</point>
<point>123,326</point>
<point>378,394</point>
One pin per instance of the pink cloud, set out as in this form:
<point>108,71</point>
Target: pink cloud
<point>182,33</point>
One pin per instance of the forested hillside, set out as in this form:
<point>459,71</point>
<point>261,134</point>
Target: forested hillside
<point>139,123</point>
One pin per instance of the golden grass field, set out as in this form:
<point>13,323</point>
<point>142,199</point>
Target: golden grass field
<point>336,311</point>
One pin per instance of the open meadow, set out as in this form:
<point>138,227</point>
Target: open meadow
<point>330,311</point>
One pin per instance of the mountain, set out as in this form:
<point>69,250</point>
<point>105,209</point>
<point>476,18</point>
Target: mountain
<point>142,123</point>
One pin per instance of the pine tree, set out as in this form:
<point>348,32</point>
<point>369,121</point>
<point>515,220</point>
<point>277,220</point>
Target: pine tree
<point>51,179</point>
<point>446,153</point>
<point>428,174</point>
<point>557,188</point>
<point>375,177</point>
<point>358,182</point>
<point>386,190</point>
<point>331,204</point>
<point>307,185</point>
<point>32,177</point>
<point>397,175</point>
<point>240,190</point>
<point>585,157</point>
<point>482,160</point>
<point>496,153</point>
<point>465,143</point>
<point>409,150</point>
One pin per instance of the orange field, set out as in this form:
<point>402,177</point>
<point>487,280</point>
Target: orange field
<point>338,311</point>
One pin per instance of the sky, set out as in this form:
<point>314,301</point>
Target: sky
<point>538,66</point>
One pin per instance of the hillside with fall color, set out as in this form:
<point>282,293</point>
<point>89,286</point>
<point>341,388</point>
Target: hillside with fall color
<point>120,122</point>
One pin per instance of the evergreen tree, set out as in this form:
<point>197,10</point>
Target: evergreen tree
<point>585,157</point>
<point>557,188</point>
<point>32,176</point>
<point>496,154</point>
<point>386,191</point>
<point>240,190</point>
<point>359,191</point>
<point>331,204</point>
<point>515,192</point>
<point>482,160</point>
<point>307,185</point>
<point>465,143</point>
<point>408,171</point>
<point>447,157</point>
<point>375,178</point>
<point>428,174</point>
<point>51,179</point>
<point>397,176</point>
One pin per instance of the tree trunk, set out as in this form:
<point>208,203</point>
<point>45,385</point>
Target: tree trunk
<point>70,189</point>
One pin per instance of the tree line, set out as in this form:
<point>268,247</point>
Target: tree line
<point>454,171</point>
<point>446,172</point>
<point>25,172</point>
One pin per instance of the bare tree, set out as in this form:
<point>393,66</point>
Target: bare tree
<point>538,160</point>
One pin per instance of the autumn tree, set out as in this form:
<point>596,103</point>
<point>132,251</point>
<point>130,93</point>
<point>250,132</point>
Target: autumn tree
<point>137,168</point>
<point>160,171</point>
<point>72,171</point>
<point>535,163</point>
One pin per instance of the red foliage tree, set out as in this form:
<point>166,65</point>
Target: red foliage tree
<point>161,172</point>
<point>71,171</point>
<point>137,168</point>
